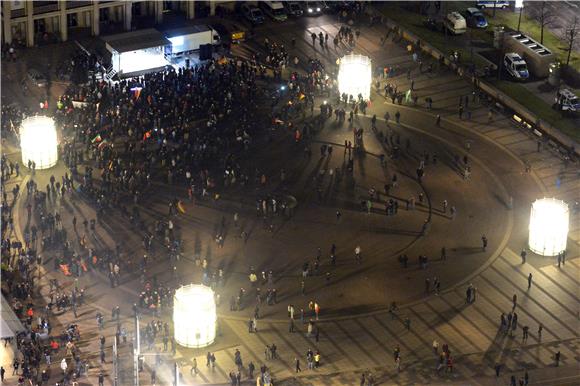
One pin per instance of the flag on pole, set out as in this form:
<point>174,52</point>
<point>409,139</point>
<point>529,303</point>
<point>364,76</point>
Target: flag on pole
<point>136,91</point>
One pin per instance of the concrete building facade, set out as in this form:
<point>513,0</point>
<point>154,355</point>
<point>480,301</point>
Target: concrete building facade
<point>27,22</point>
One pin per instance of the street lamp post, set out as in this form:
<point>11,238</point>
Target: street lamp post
<point>136,351</point>
<point>115,363</point>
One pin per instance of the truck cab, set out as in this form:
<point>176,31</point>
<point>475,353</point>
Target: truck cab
<point>516,66</point>
<point>274,9</point>
<point>455,23</point>
<point>566,100</point>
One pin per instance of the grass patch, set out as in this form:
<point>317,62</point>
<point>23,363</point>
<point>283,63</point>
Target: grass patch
<point>413,22</point>
<point>538,107</point>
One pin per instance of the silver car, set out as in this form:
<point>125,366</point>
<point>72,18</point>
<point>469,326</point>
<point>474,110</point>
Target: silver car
<point>36,78</point>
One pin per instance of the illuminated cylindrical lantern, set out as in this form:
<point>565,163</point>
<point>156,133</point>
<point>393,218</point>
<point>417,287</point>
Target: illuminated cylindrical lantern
<point>548,226</point>
<point>38,142</point>
<point>194,316</point>
<point>355,76</point>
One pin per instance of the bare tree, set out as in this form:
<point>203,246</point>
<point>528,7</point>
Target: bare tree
<point>544,16</point>
<point>570,37</point>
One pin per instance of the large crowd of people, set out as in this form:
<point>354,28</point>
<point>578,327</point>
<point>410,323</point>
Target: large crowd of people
<point>186,127</point>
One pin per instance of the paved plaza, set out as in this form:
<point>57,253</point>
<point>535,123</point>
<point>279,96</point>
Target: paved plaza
<point>356,332</point>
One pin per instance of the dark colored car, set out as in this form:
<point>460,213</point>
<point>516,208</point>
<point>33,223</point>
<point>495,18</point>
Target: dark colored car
<point>293,9</point>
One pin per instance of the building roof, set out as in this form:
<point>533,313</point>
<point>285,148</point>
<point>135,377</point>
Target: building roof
<point>10,324</point>
<point>187,30</point>
<point>135,40</point>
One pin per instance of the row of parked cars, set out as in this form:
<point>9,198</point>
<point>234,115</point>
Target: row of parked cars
<point>457,22</point>
<point>280,11</point>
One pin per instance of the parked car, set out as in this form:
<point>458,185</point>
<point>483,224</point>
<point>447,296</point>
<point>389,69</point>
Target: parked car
<point>313,8</point>
<point>493,4</point>
<point>274,9</point>
<point>455,23</point>
<point>566,100</point>
<point>252,14</point>
<point>293,8</point>
<point>475,18</point>
<point>36,78</point>
<point>516,66</point>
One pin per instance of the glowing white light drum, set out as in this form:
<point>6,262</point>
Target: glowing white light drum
<point>38,142</point>
<point>548,226</point>
<point>194,316</point>
<point>355,76</point>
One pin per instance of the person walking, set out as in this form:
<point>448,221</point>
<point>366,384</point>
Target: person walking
<point>483,242</point>
<point>297,365</point>
<point>101,379</point>
<point>529,281</point>
<point>523,254</point>
<point>557,359</point>
<point>193,367</point>
<point>497,369</point>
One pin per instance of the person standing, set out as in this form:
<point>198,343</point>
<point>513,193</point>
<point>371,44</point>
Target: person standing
<point>193,367</point>
<point>101,379</point>
<point>523,254</point>
<point>251,369</point>
<point>297,365</point>
<point>484,242</point>
<point>497,369</point>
